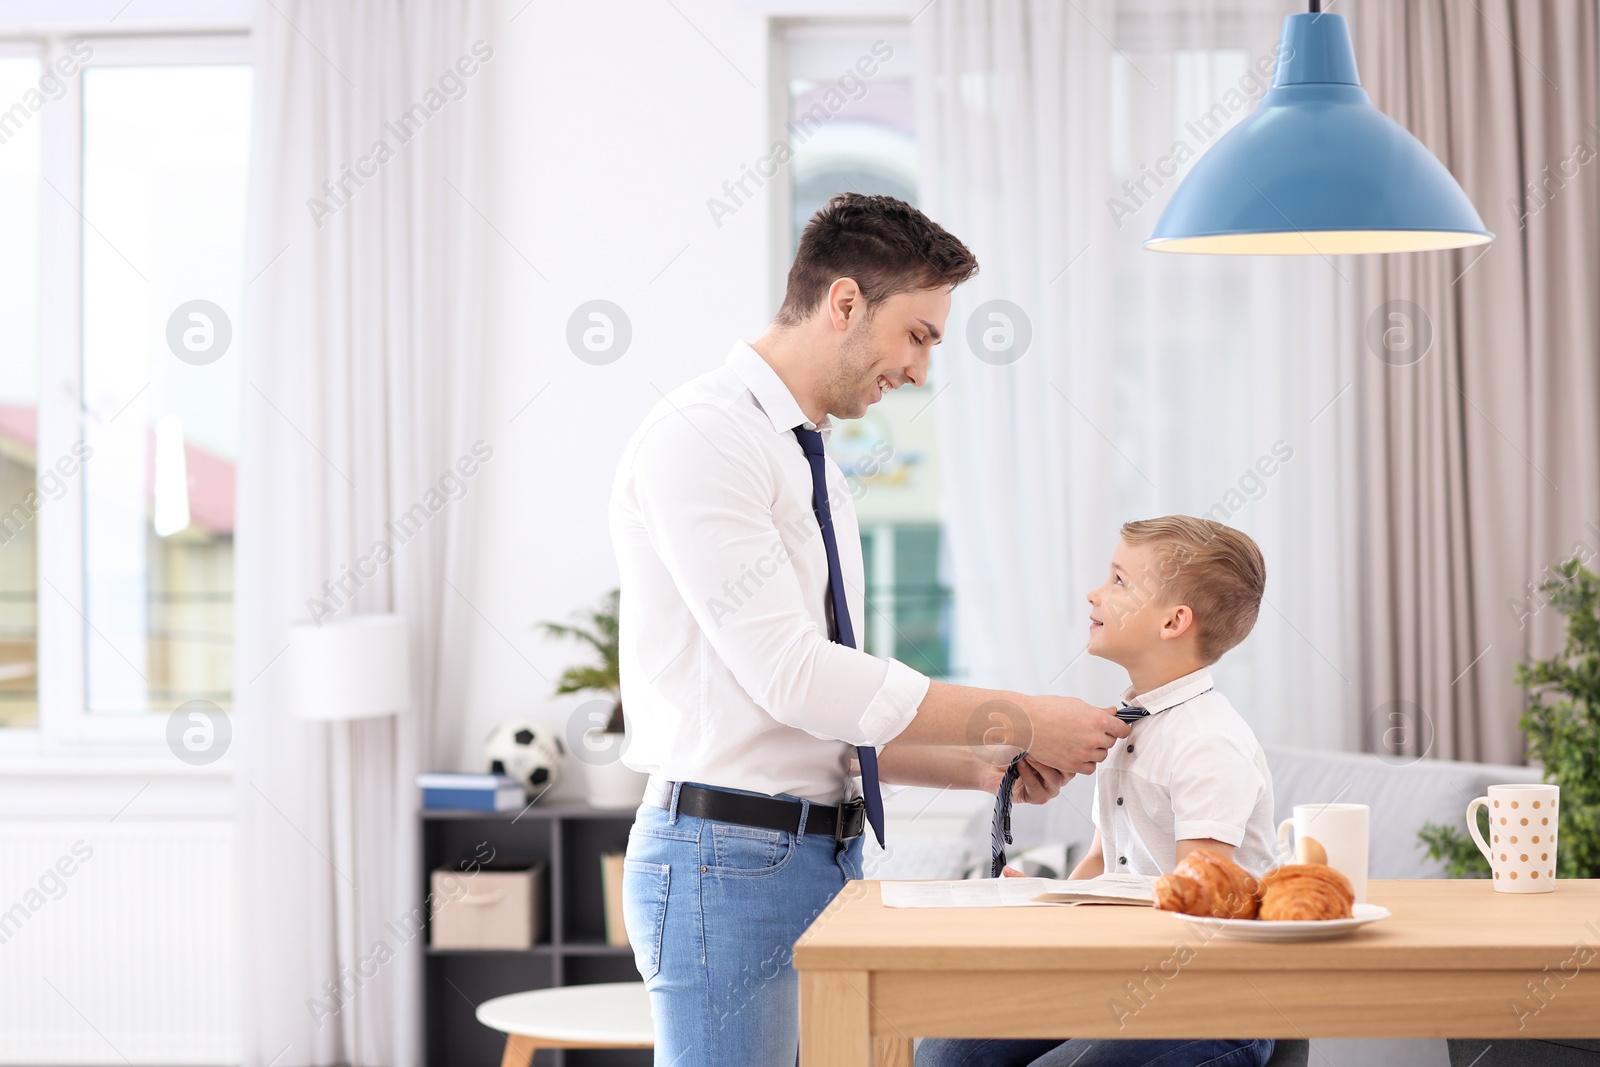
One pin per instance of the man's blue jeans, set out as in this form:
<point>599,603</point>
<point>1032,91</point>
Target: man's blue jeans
<point>713,910</point>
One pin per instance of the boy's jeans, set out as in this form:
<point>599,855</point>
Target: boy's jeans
<point>713,910</point>
<point>945,1052</point>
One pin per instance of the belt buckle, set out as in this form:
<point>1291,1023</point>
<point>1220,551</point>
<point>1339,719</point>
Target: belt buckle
<point>850,821</point>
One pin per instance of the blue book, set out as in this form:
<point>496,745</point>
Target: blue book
<point>470,792</point>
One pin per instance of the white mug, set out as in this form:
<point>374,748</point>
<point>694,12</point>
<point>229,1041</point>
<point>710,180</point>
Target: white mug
<point>1334,834</point>
<point>1522,832</point>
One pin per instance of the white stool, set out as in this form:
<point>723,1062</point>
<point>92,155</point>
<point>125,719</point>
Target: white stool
<point>610,1015</point>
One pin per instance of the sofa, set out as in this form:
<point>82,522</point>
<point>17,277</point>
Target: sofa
<point>942,835</point>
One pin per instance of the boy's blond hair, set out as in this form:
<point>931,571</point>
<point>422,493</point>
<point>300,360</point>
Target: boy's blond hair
<point>1213,568</point>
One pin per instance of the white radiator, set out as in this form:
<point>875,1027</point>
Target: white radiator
<point>118,942</point>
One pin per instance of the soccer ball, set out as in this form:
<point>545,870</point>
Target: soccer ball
<point>528,751</point>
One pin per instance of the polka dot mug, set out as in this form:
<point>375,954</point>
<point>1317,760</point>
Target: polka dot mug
<point>1522,836</point>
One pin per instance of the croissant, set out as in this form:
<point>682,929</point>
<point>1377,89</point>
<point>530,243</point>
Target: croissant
<point>1204,883</point>
<point>1305,891</point>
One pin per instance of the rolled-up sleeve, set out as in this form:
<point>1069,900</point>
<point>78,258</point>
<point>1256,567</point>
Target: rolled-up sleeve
<point>705,503</point>
<point>895,703</point>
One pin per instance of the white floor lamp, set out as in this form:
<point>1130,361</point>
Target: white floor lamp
<point>343,670</point>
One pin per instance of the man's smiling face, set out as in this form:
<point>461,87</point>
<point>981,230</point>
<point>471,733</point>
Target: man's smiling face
<point>886,349</point>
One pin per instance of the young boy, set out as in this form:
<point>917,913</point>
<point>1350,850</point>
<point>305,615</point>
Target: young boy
<point>1181,592</point>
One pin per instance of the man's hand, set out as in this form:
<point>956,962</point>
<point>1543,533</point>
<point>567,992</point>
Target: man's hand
<point>1036,782</point>
<point>1063,736</point>
<point>1069,735</point>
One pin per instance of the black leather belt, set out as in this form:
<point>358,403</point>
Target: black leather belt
<point>769,813</point>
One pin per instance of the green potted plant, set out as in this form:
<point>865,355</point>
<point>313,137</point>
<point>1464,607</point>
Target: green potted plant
<point>611,783</point>
<point>598,629</point>
<point>1562,722</point>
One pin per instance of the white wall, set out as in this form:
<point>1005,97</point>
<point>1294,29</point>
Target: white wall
<point>614,123</point>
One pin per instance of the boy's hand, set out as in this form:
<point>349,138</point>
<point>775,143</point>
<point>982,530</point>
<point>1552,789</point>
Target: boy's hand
<point>1009,871</point>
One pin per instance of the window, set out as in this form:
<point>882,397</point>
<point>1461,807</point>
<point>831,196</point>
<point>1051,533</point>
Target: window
<point>850,129</point>
<point>118,590</point>
<point>164,154</point>
<point>21,496</point>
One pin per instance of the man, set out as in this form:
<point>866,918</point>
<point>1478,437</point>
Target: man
<point>742,600</point>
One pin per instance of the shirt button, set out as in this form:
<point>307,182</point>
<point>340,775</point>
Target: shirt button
<point>1130,746</point>
<point>1119,800</point>
<point>1122,860</point>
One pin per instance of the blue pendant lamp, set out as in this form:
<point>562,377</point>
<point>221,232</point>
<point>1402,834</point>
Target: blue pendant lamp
<point>1317,169</point>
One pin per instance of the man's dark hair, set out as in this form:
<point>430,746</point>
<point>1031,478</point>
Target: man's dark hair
<point>885,244</point>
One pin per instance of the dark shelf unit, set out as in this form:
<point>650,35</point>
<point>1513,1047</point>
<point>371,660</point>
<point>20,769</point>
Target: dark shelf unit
<point>568,838</point>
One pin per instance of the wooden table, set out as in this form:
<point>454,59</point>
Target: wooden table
<point>1455,960</point>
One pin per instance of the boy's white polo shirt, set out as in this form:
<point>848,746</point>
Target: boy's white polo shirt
<point>1192,768</point>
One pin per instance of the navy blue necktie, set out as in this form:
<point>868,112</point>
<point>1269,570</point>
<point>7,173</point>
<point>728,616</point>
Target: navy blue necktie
<point>811,444</point>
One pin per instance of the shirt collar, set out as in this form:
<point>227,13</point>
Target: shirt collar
<point>772,396</point>
<point>1172,694</point>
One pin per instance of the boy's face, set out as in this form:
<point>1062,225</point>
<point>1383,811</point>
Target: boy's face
<point>1130,614</point>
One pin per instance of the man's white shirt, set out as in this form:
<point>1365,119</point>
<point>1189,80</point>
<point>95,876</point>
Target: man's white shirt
<point>1191,769</point>
<point>728,674</point>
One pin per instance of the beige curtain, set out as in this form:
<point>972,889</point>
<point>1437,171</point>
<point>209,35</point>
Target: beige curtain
<point>1480,399</point>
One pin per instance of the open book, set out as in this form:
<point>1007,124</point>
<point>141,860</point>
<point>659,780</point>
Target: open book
<point>1105,889</point>
<point>1019,892</point>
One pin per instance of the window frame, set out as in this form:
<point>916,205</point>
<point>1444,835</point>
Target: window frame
<point>65,723</point>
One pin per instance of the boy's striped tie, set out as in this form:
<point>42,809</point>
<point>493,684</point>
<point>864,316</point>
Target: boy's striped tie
<point>1130,714</point>
<point>1000,831</point>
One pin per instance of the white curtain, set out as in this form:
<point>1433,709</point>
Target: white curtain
<point>363,361</point>
<point>1051,136</point>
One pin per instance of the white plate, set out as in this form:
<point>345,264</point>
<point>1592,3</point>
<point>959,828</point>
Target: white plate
<point>1307,930</point>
